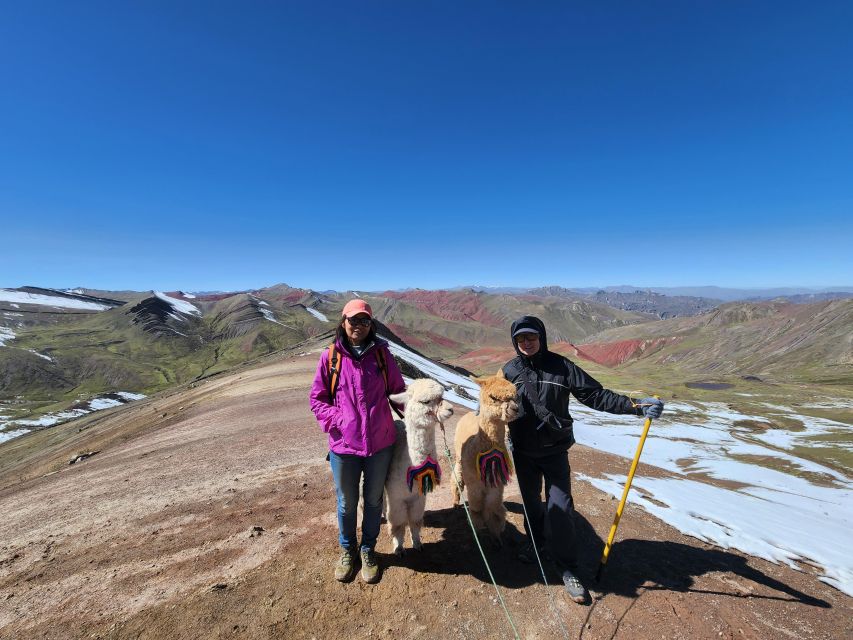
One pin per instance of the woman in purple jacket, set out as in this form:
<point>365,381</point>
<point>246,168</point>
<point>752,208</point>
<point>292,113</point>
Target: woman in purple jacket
<point>357,417</point>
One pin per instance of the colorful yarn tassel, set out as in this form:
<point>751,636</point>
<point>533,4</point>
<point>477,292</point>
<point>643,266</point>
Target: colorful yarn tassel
<point>495,467</point>
<point>427,476</point>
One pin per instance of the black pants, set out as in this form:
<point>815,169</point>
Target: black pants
<point>556,526</point>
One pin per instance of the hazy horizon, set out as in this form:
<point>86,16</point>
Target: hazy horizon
<point>296,285</point>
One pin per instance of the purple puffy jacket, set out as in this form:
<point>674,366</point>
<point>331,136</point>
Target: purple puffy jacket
<point>359,421</point>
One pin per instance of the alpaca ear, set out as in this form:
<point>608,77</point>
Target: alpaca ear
<point>500,374</point>
<point>399,399</point>
<point>476,380</point>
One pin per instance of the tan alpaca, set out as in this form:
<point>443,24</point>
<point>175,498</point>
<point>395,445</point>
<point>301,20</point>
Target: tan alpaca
<point>479,433</point>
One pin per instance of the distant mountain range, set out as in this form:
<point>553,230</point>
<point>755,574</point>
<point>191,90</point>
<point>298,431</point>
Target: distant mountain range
<point>730,294</point>
<point>60,349</point>
<point>670,302</point>
<point>656,304</point>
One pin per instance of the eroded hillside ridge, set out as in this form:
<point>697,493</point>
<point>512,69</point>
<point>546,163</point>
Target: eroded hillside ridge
<point>776,340</point>
<point>63,348</point>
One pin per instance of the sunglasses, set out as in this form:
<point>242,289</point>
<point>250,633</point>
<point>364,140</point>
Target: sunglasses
<point>527,337</point>
<point>356,322</point>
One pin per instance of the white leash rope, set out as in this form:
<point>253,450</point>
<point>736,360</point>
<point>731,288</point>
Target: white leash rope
<point>476,537</point>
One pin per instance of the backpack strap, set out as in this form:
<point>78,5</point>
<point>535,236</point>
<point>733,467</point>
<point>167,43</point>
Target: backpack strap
<point>334,370</point>
<point>383,367</point>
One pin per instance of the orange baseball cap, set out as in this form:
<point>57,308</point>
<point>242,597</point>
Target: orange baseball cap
<point>354,307</point>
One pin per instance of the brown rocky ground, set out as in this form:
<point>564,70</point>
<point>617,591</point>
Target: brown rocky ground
<point>154,537</point>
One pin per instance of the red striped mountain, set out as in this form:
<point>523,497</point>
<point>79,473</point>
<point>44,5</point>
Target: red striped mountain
<point>446,324</point>
<point>778,340</point>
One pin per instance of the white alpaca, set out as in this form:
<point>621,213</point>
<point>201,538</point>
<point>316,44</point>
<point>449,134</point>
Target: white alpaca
<point>414,458</point>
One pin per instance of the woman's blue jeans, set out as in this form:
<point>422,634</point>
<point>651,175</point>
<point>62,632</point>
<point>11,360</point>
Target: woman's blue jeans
<point>348,471</point>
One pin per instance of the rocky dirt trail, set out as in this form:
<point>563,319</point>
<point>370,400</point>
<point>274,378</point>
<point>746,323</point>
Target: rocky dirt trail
<point>209,513</point>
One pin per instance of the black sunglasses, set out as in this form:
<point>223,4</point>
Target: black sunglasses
<point>364,322</point>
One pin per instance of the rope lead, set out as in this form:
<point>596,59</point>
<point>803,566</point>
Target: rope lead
<point>476,538</point>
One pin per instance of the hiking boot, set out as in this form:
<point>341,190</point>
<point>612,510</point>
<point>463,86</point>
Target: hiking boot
<point>577,592</point>
<point>345,567</point>
<point>527,555</point>
<point>369,566</point>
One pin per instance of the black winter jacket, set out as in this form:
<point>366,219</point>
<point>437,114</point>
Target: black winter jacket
<point>554,378</point>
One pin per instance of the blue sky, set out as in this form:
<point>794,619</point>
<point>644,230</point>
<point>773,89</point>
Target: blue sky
<point>372,145</point>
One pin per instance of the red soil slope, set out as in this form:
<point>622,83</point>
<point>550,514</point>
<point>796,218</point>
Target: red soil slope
<point>458,306</point>
<point>423,340</point>
<point>610,354</point>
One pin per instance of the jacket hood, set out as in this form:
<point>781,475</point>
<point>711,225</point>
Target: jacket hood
<point>530,322</point>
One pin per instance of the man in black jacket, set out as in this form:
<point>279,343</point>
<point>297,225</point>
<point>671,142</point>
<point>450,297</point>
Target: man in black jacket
<point>541,436</point>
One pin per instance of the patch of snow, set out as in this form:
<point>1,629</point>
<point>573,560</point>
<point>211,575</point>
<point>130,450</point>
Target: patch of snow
<point>98,404</point>
<point>17,306</point>
<point>777,407</point>
<point>77,291</point>
<point>835,403</point>
<point>51,419</point>
<point>776,515</point>
<point>818,423</point>
<point>263,302</point>
<point>786,439</point>
<point>779,438</point>
<point>316,314</point>
<point>722,412</point>
<point>12,314</point>
<point>40,355</point>
<point>810,422</point>
<point>269,316</point>
<point>54,301</point>
<point>179,305</point>
<point>680,406</point>
<point>190,296</point>
<point>443,376</point>
<point>779,528</point>
<point>5,336</point>
<point>8,435</point>
<point>129,396</point>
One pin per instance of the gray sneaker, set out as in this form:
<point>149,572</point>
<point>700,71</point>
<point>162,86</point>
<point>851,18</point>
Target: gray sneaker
<point>369,566</point>
<point>577,592</point>
<point>345,567</point>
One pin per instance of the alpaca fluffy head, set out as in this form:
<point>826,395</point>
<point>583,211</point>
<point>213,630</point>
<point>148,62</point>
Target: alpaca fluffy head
<point>424,402</point>
<point>498,398</point>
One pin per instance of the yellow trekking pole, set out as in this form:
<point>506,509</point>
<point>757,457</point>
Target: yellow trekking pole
<point>624,499</point>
